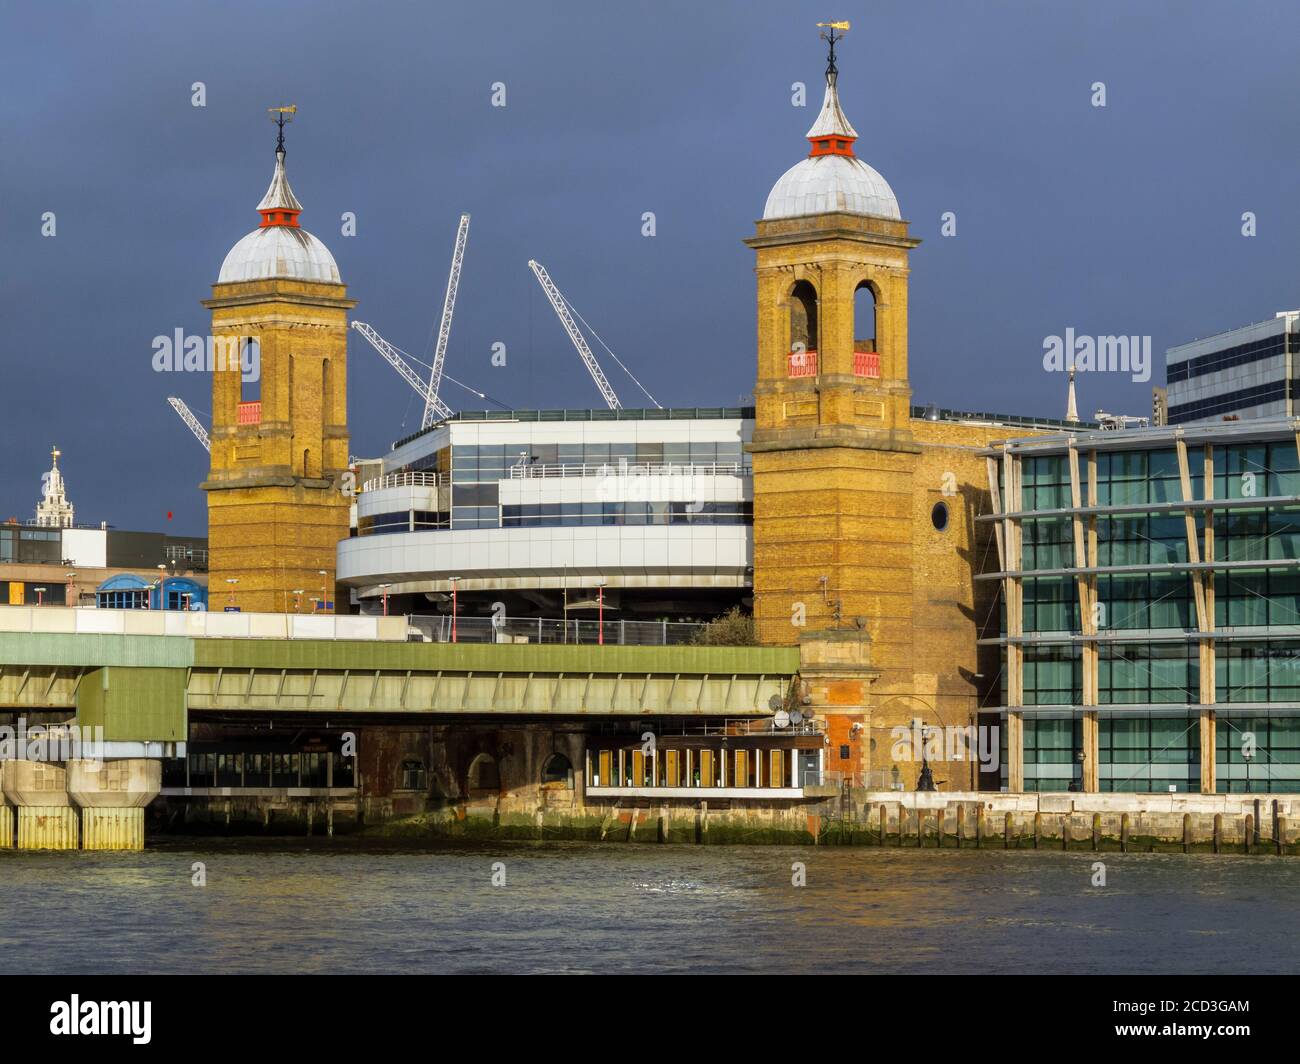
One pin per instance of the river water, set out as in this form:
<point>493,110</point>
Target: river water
<point>350,906</point>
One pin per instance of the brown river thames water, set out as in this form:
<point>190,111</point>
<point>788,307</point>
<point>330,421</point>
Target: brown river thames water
<point>348,906</point>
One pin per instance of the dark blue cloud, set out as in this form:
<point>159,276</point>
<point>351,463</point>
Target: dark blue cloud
<point>1117,220</point>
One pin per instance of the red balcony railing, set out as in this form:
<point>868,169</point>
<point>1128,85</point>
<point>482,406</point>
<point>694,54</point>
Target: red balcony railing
<point>866,364</point>
<point>249,413</point>
<point>802,363</point>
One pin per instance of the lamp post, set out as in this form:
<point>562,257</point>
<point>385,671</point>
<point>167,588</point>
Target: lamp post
<point>297,599</point>
<point>385,587</point>
<point>454,580</point>
<point>232,581</point>
<point>40,595</point>
<point>69,597</point>
<point>600,613</point>
<point>162,586</point>
<point>324,590</point>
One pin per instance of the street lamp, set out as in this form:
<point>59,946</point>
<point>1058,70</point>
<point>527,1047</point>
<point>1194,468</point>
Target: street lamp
<point>162,586</point>
<point>324,590</point>
<point>385,587</point>
<point>69,598</point>
<point>40,595</point>
<point>600,623</point>
<point>453,580</point>
<point>232,581</point>
<point>297,599</point>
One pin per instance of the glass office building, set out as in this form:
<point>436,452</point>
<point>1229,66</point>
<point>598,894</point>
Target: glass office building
<point>1243,373</point>
<point>1150,600</point>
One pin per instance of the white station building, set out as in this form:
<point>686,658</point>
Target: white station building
<point>537,510</point>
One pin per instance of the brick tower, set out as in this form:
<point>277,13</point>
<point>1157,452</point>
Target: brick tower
<point>276,508</point>
<point>834,454</point>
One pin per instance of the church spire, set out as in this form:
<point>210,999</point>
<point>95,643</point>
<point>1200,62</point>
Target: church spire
<point>54,510</point>
<point>832,133</point>
<point>1071,406</point>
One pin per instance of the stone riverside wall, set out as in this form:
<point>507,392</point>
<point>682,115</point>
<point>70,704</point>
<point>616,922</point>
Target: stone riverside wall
<point>1110,822</point>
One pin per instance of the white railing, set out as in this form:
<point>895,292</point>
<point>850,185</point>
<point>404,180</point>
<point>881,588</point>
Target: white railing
<point>633,469</point>
<point>407,480</point>
<point>436,628</point>
<point>198,624</point>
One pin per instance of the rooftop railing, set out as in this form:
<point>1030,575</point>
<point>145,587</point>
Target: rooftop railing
<point>407,480</point>
<point>632,469</point>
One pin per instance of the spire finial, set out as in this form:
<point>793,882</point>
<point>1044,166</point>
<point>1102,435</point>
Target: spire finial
<point>832,134</point>
<point>280,206</point>
<point>282,116</point>
<point>1071,405</point>
<point>831,38</point>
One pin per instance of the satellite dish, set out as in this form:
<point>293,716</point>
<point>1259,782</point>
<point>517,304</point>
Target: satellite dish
<point>795,716</point>
<point>782,719</point>
<point>774,703</point>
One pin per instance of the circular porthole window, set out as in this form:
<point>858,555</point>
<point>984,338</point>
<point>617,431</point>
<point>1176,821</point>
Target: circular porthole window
<point>939,516</point>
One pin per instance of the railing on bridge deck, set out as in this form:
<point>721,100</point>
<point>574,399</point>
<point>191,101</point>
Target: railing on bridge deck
<point>437,628</point>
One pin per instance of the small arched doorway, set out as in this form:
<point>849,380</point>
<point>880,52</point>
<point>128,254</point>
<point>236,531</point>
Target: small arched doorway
<point>558,769</point>
<point>484,774</point>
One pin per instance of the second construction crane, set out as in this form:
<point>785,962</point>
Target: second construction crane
<point>565,311</point>
<point>195,426</point>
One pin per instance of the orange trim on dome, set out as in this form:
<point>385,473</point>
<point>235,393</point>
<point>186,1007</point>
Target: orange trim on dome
<point>279,216</point>
<point>835,144</point>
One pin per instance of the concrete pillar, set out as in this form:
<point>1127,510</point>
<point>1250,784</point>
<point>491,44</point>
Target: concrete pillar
<point>6,816</point>
<point>112,796</point>
<point>1209,775</point>
<point>1091,768</point>
<point>46,819</point>
<point>1015,750</point>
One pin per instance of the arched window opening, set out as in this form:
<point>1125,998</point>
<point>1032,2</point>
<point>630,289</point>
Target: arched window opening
<point>483,774</point>
<point>558,769</point>
<point>803,317</point>
<point>866,355</point>
<point>864,318</point>
<point>412,776</point>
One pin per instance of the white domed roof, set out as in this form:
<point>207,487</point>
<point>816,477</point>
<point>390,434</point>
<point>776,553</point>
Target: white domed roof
<point>279,251</point>
<point>832,178</point>
<point>831,183</point>
<point>279,248</point>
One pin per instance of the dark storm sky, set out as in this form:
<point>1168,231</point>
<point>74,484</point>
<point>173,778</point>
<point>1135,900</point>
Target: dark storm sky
<point>1123,220</point>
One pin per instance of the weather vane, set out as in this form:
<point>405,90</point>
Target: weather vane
<point>282,116</point>
<point>831,37</point>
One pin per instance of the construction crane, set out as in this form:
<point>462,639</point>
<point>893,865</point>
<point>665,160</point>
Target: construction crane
<point>396,358</point>
<point>200,433</point>
<point>432,405</point>
<point>562,310</point>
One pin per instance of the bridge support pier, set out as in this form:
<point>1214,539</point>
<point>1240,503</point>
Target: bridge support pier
<point>46,819</point>
<point>112,796</point>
